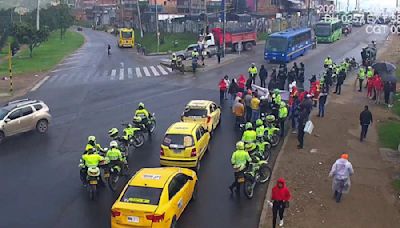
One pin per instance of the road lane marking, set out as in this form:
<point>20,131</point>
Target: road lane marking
<point>67,63</point>
<point>121,74</point>
<point>138,73</point>
<point>162,70</point>
<point>169,69</point>
<point>40,83</point>
<point>155,72</point>
<point>146,71</point>
<point>113,74</point>
<point>130,74</point>
<point>69,68</point>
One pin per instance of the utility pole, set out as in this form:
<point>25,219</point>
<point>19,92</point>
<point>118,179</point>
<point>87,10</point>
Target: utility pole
<point>348,3</point>
<point>140,19</point>
<point>158,33</point>
<point>10,68</point>
<point>205,18</point>
<point>308,13</point>
<point>37,15</point>
<point>223,27</point>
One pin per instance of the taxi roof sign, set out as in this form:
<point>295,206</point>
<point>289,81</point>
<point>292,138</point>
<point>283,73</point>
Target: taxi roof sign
<point>151,176</point>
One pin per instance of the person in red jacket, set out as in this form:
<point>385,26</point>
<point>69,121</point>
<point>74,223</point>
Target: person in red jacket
<point>378,86</point>
<point>280,200</point>
<point>370,86</point>
<point>242,83</point>
<point>222,89</point>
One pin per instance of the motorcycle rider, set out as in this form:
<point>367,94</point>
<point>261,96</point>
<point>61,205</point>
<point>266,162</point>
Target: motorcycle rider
<point>327,62</point>
<point>113,133</point>
<point>90,159</point>
<point>253,73</point>
<point>276,101</point>
<point>115,156</point>
<point>283,113</point>
<point>240,158</point>
<point>249,135</point>
<point>270,126</point>
<point>145,116</point>
<point>93,144</point>
<point>173,61</point>
<point>260,129</point>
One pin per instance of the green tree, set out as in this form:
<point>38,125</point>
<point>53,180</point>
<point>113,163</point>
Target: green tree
<point>27,34</point>
<point>65,19</point>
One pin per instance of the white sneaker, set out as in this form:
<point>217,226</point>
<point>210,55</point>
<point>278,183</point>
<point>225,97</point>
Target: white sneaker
<point>281,223</point>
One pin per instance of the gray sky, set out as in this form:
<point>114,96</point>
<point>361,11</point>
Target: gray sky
<point>23,3</point>
<point>369,5</point>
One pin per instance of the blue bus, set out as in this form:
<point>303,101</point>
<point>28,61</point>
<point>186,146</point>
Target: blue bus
<point>287,45</point>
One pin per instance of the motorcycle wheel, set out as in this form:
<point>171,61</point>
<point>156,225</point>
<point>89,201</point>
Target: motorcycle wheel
<point>153,126</point>
<point>267,154</point>
<point>265,173</point>
<point>138,140</point>
<point>92,192</point>
<point>112,181</point>
<point>249,189</point>
<point>275,140</point>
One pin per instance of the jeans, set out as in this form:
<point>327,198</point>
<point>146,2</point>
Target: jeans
<point>361,82</point>
<point>321,109</point>
<point>248,113</point>
<point>277,206</point>
<point>338,88</point>
<point>221,97</point>
<point>233,96</point>
<point>364,130</point>
<point>294,122</point>
<point>300,135</point>
<point>255,114</point>
<point>262,82</point>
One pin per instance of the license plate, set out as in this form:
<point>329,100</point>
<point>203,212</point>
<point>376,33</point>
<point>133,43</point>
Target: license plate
<point>93,182</point>
<point>177,151</point>
<point>106,175</point>
<point>241,180</point>
<point>273,57</point>
<point>133,219</point>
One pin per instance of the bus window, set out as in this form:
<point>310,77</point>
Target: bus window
<point>277,44</point>
<point>323,30</point>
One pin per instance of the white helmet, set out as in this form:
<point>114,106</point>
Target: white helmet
<point>113,144</point>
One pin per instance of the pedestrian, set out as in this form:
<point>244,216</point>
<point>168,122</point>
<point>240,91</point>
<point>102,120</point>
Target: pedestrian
<point>322,101</point>
<point>294,113</point>
<point>238,111</point>
<point>378,86</point>
<point>227,82</point>
<point>280,200</point>
<point>282,75</point>
<point>219,55</point>
<point>296,70</point>
<point>242,83</point>
<point>365,121</point>
<point>222,90</point>
<point>249,82</point>
<point>273,74</point>
<point>283,113</point>
<point>341,171</point>
<point>247,103</point>
<point>340,79</point>
<point>302,120</point>
<point>255,108</point>
<point>300,77</point>
<point>387,87</point>
<point>307,104</point>
<point>263,75</point>
<point>361,77</point>
<point>292,75</point>
<point>233,89</point>
<point>109,49</point>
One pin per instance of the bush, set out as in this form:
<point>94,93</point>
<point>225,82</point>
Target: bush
<point>389,134</point>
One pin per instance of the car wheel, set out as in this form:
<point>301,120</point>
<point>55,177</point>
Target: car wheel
<point>195,193</point>
<point>2,136</point>
<point>42,126</point>
<point>173,223</point>
<point>197,168</point>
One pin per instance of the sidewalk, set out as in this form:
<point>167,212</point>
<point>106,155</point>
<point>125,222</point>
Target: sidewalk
<point>371,202</point>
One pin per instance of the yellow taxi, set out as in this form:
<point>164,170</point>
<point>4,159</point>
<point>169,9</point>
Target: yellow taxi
<point>184,145</point>
<point>203,112</point>
<point>154,197</point>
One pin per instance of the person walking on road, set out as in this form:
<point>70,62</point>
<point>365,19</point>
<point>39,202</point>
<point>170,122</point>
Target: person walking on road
<point>341,171</point>
<point>222,90</point>
<point>253,72</point>
<point>280,200</point>
<point>227,82</point>
<point>302,120</point>
<point>263,75</point>
<point>109,49</point>
<point>361,77</point>
<point>322,101</point>
<point>340,79</point>
<point>219,55</point>
<point>378,86</point>
<point>238,111</point>
<point>233,89</point>
<point>365,121</point>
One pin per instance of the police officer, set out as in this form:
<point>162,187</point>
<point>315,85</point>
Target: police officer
<point>145,115</point>
<point>361,77</point>
<point>370,74</point>
<point>249,135</point>
<point>253,72</point>
<point>195,57</point>
<point>90,159</point>
<point>115,156</point>
<point>92,144</point>
<point>327,62</point>
<point>173,61</point>
<point>283,113</point>
<point>239,161</point>
<point>260,129</point>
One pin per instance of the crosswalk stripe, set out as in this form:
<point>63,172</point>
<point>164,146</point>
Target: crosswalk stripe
<point>146,71</point>
<point>130,75</point>
<point>162,70</point>
<point>138,73</point>
<point>113,74</point>
<point>121,74</point>
<point>169,69</point>
<point>155,72</point>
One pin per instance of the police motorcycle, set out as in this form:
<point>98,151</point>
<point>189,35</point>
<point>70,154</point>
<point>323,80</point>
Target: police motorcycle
<point>257,172</point>
<point>93,180</point>
<point>272,133</point>
<point>141,122</point>
<point>113,170</point>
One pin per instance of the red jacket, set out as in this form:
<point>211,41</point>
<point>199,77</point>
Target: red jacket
<point>280,194</point>
<point>378,83</point>
<point>242,81</point>
<point>222,85</point>
<point>370,82</point>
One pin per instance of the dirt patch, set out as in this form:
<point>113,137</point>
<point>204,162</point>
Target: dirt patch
<point>21,85</point>
<point>372,201</point>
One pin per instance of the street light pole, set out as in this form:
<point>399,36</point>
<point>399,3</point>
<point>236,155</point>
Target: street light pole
<point>223,27</point>
<point>158,33</point>
<point>37,15</point>
<point>308,13</point>
<point>140,19</point>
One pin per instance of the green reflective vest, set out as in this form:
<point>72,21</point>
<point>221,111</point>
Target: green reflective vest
<point>114,154</point>
<point>260,131</point>
<point>370,73</point>
<point>249,136</point>
<point>361,73</point>
<point>253,71</point>
<point>328,61</point>
<point>283,113</point>
<point>92,160</point>
<point>239,159</point>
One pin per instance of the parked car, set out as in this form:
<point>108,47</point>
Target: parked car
<point>79,28</point>
<point>187,53</point>
<point>22,116</point>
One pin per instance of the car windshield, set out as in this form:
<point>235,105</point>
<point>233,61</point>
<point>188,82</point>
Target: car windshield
<point>142,195</point>
<point>178,141</point>
<point>323,30</point>
<point>3,113</point>
<point>126,35</point>
<point>195,112</point>
<point>276,44</point>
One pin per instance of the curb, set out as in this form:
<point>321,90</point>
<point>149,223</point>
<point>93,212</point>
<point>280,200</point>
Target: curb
<point>263,217</point>
<point>157,53</point>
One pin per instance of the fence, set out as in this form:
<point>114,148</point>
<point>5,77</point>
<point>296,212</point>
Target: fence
<point>260,25</point>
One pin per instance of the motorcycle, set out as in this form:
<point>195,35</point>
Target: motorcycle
<point>263,149</point>
<point>353,63</point>
<point>257,172</point>
<point>93,181</point>
<point>133,135</point>
<point>273,135</point>
<point>150,126</point>
<point>112,172</point>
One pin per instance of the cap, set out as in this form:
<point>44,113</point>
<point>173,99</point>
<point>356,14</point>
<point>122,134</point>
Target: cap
<point>345,156</point>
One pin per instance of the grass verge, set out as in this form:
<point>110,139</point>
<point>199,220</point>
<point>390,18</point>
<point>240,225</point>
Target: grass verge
<point>149,41</point>
<point>389,134</point>
<point>396,185</point>
<point>262,36</point>
<point>46,56</point>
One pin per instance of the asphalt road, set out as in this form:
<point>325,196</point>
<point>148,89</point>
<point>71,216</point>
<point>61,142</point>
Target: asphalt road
<point>40,184</point>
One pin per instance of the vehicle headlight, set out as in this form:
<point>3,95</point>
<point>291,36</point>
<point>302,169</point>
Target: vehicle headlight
<point>283,54</point>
